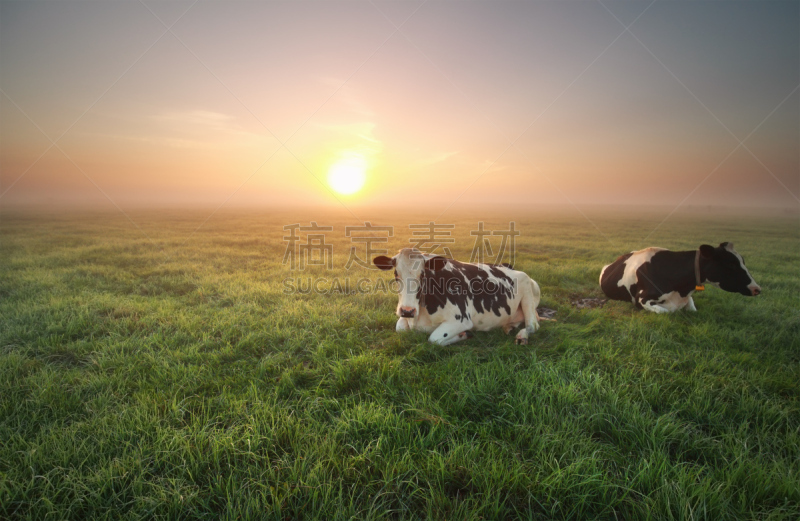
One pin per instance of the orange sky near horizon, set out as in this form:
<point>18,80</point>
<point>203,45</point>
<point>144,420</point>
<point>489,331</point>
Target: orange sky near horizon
<point>466,103</point>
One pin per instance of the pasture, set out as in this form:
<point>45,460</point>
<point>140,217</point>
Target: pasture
<point>155,372</point>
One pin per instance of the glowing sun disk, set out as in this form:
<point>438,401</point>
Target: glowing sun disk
<point>348,175</point>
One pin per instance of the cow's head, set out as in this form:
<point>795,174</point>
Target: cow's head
<point>725,268</point>
<point>409,268</point>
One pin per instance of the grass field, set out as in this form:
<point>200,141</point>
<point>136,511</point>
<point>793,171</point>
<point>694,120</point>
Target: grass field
<point>146,372</point>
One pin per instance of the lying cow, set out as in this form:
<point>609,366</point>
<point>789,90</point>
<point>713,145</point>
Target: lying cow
<point>449,298</point>
<point>662,281</point>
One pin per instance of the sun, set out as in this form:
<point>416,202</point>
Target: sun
<point>347,176</point>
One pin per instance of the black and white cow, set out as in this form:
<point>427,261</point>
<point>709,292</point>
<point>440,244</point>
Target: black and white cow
<point>662,281</point>
<point>449,299</point>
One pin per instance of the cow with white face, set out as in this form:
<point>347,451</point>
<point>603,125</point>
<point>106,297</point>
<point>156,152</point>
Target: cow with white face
<point>662,281</point>
<point>450,299</point>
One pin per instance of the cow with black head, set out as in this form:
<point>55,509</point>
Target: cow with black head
<point>449,299</point>
<point>663,281</point>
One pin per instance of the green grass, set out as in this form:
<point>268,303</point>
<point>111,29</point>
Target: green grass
<point>163,378</point>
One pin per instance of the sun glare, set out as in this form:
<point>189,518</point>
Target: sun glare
<point>348,175</point>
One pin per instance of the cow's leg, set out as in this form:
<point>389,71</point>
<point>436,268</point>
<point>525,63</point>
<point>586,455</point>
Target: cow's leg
<point>654,305</point>
<point>690,304</point>
<point>530,300</point>
<point>655,308</point>
<point>666,303</point>
<point>451,332</point>
<point>402,325</point>
<point>514,321</point>
<point>651,299</point>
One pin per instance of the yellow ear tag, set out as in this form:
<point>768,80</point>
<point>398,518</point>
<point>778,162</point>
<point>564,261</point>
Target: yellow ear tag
<point>699,288</point>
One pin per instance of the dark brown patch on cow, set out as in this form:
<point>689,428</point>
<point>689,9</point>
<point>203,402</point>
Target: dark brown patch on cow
<point>383,262</point>
<point>612,275</point>
<point>462,283</point>
<point>668,271</point>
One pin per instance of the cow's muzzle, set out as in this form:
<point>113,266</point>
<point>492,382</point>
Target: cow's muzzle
<point>407,312</point>
<point>755,290</point>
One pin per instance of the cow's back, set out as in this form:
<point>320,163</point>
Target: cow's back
<point>610,277</point>
<point>627,276</point>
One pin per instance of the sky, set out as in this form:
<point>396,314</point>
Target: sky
<point>443,103</point>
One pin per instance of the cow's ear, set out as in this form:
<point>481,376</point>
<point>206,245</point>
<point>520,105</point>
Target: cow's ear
<point>726,246</point>
<point>435,263</point>
<point>383,262</point>
<point>707,251</point>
